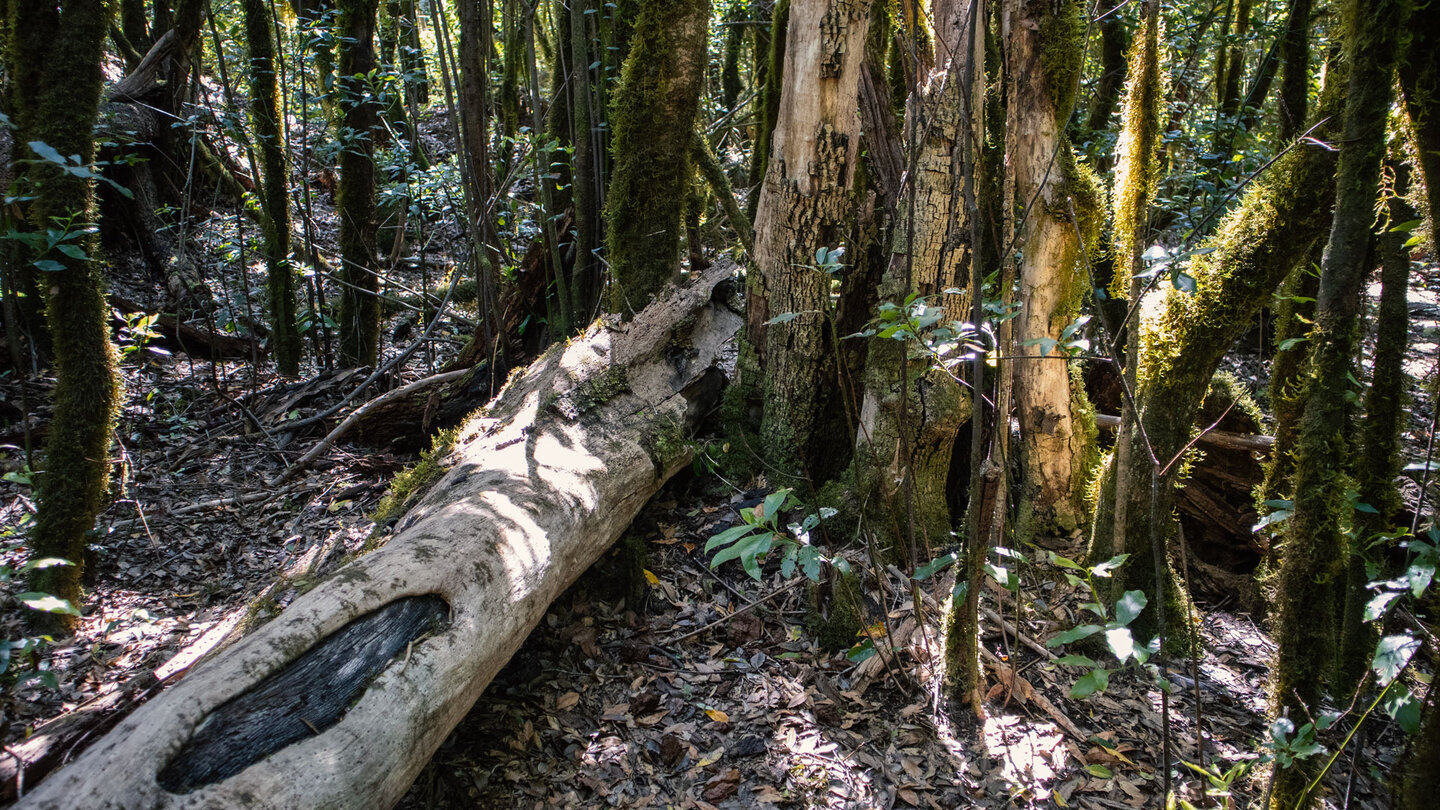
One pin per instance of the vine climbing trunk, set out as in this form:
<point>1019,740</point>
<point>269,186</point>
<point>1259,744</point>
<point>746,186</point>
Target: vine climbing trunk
<point>355,197</point>
<point>1044,45</point>
<point>1312,556</point>
<point>804,204</point>
<point>54,57</point>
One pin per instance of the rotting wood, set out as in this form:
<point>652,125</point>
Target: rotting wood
<point>567,455</point>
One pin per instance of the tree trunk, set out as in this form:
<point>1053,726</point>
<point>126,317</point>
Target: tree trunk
<point>1255,247</point>
<point>1419,74</point>
<point>1044,46</point>
<point>55,54</point>
<point>1295,70</point>
<point>275,193</point>
<point>653,118</point>
<point>1114,44</point>
<point>804,204</point>
<point>355,198</point>
<point>1379,461</point>
<point>1314,539</point>
<point>538,488</point>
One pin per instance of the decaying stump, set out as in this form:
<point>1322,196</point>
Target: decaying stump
<point>540,486</point>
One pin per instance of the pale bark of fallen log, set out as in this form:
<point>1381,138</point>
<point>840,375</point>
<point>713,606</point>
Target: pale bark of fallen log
<point>541,485</point>
<point>1250,443</point>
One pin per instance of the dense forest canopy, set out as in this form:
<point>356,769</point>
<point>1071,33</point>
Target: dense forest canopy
<point>1113,320</point>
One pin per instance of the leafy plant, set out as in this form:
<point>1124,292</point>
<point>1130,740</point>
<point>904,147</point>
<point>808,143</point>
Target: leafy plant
<point>20,658</point>
<point>1114,626</point>
<point>760,532</point>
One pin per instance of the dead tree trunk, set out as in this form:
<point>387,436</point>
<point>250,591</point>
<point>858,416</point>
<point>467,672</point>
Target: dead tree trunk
<point>408,636</point>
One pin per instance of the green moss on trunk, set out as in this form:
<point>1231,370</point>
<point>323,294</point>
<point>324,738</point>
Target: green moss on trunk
<point>653,116</point>
<point>54,53</point>
<point>1311,559</point>
<point>768,90</point>
<point>355,197</point>
<point>274,197</point>
<point>1254,249</point>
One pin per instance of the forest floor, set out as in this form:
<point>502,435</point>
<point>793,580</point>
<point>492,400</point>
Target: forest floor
<point>707,689</point>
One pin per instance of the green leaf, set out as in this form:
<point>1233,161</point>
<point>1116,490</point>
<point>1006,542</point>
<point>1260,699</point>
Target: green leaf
<point>1130,606</point>
<point>47,603</point>
<point>730,535</point>
<point>1402,706</point>
<point>48,265</point>
<point>1099,771</point>
<point>45,562</point>
<point>74,252</point>
<point>1290,343</point>
<point>773,503</point>
<point>1065,562</point>
<point>1120,642</point>
<point>1076,661</point>
<point>1391,656</point>
<point>861,651</point>
<point>1091,682</point>
<point>785,317</point>
<point>1108,567</point>
<point>1406,227</point>
<point>1376,607</point>
<point>935,566</point>
<point>1074,634</point>
<point>47,152</point>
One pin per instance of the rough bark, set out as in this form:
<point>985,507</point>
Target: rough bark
<point>355,198</point>
<point>804,203</point>
<point>539,486</point>
<point>1043,44</point>
<point>1114,44</point>
<point>653,119</point>
<point>1419,74</point>
<point>54,57</point>
<point>1314,542</point>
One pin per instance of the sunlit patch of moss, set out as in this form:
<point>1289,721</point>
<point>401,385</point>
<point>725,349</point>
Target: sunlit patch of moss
<point>1062,46</point>
<point>410,484</point>
<point>1137,173</point>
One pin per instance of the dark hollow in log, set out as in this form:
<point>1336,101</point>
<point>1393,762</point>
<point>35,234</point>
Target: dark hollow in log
<point>303,699</point>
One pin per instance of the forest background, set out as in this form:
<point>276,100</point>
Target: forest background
<point>1114,293</point>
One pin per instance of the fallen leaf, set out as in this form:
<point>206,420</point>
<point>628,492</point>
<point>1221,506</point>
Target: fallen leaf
<point>567,701</point>
<point>722,786</point>
<point>717,715</point>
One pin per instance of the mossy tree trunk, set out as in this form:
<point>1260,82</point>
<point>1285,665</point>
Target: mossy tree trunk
<point>1312,556</point>
<point>1419,74</point>
<point>412,56</point>
<point>1114,45</point>
<point>1255,247</point>
<point>1378,462</point>
<point>1044,44</point>
<point>1295,69</point>
<point>55,53</point>
<point>653,119</point>
<point>355,197</point>
<point>586,277</point>
<point>1293,319</point>
<point>767,87</point>
<point>1135,183</point>
<point>804,204</point>
<point>274,198</point>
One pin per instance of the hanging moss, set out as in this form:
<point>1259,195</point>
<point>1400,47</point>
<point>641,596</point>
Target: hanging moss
<point>1293,319</point>
<point>1138,172</point>
<point>730,84</point>
<point>1062,47</point>
<point>653,118</point>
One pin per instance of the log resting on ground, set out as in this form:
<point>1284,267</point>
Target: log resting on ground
<point>542,482</point>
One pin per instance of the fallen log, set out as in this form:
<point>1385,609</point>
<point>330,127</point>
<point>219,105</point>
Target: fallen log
<point>191,339</point>
<point>541,483</point>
